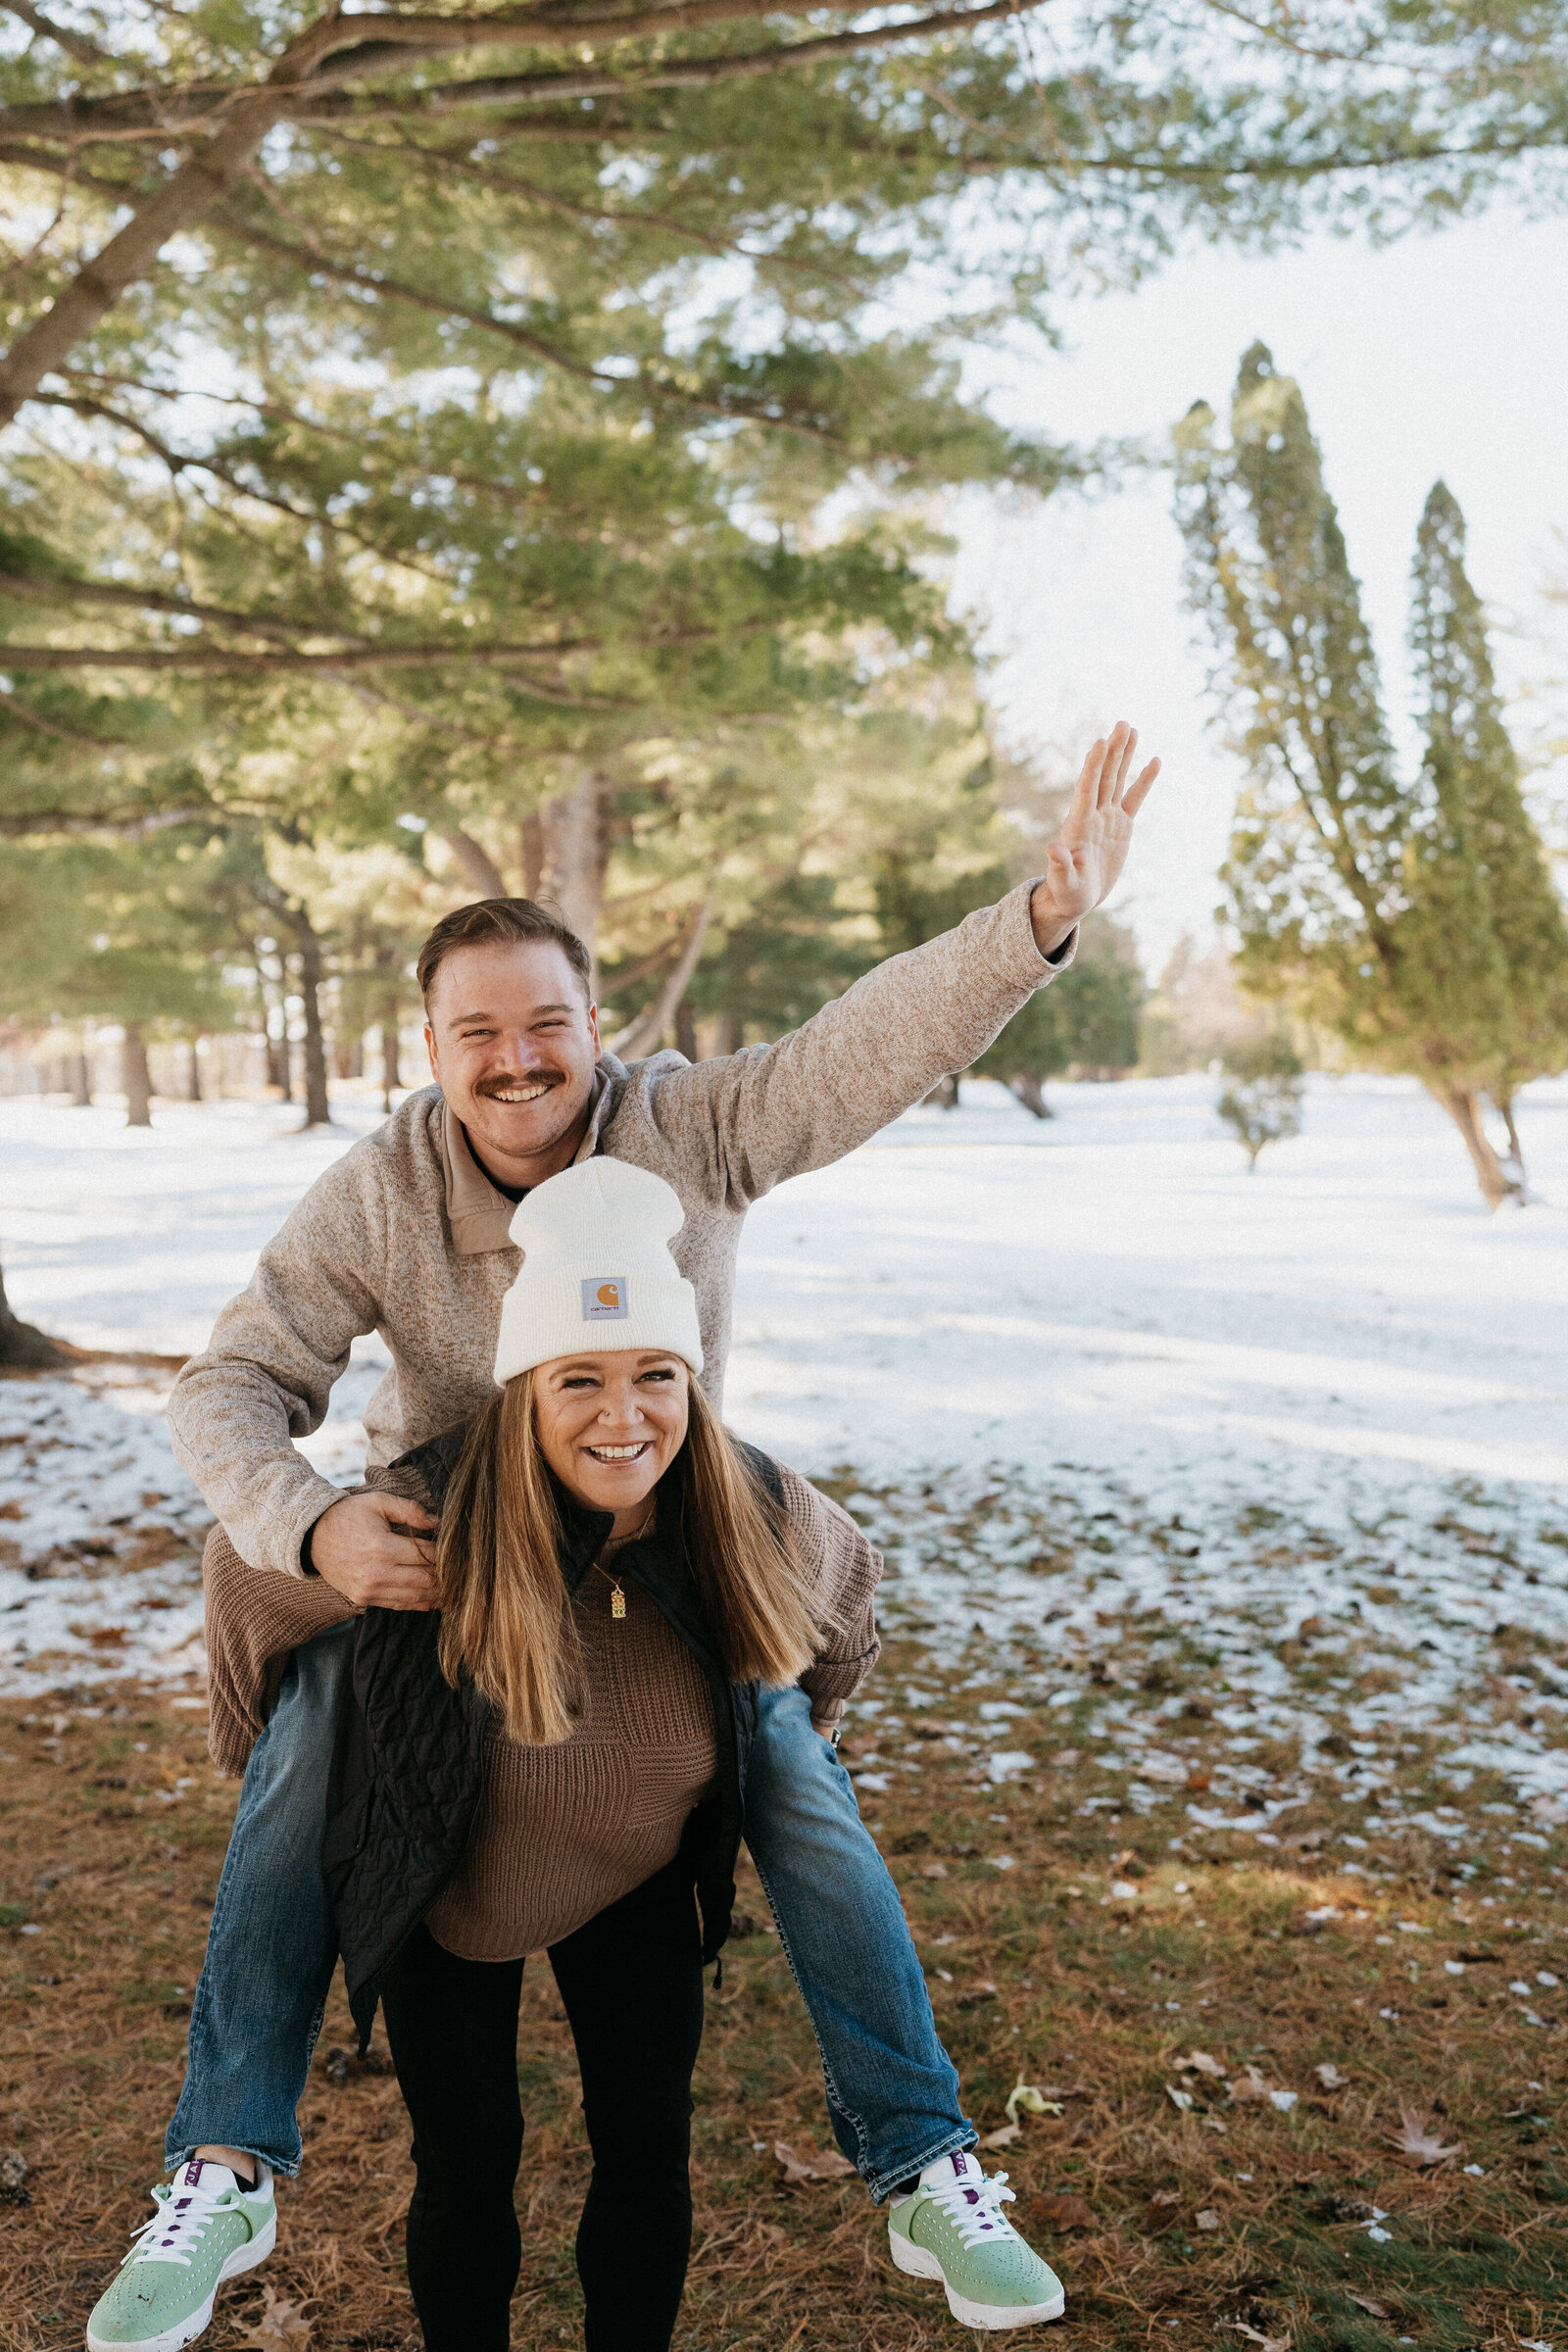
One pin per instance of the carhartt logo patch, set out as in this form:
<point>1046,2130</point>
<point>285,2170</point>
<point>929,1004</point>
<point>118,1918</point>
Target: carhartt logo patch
<point>604,1298</point>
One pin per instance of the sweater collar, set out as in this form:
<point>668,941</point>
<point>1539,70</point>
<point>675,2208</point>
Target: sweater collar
<point>478,1216</point>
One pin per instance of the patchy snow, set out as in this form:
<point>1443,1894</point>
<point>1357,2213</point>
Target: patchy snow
<point>1089,1379</point>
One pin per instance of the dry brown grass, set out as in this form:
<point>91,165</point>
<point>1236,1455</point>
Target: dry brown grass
<point>1047,1978</point>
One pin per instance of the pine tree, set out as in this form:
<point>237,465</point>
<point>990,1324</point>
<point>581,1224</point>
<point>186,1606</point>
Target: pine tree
<point>1361,896</point>
<point>1472,773</point>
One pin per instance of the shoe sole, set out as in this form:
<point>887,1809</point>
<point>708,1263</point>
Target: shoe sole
<point>173,2339</point>
<point>919,2263</point>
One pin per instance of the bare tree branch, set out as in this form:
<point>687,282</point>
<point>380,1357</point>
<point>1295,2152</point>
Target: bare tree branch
<point>74,44</point>
<point>226,659</point>
<point>122,824</point>
<point>649,1026</point>
<point>478,868</point>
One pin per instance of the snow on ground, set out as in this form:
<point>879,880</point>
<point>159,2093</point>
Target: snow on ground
<point>1081,1375</point>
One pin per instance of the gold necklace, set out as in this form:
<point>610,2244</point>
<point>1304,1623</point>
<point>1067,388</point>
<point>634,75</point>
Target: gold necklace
<point>618,1596</point>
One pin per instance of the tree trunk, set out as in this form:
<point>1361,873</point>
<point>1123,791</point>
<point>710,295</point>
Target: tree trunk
<point>533,854</point>
<point>1515,1163</point>
<point>81,1083</point>
<point>1464,1109</point>
<point>193,1076</point>
<point>23,1348</point>
<point>135,1078</point>
<point>576,828</point>
<point>1031,1092</point>
<point>686,1032</point>
<point>317,1109</point>
<point>278,1063</point>
<point>944,1094</point>
<point>390,1076</point>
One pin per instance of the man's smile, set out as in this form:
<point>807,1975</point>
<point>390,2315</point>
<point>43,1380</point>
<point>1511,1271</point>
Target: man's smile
<point>518,1090</point>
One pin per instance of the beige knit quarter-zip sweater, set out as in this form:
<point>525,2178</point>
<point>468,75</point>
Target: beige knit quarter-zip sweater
<point>406,1236</point>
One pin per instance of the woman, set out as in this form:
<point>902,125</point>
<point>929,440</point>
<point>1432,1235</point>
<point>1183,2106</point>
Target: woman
<point>554,1760</point>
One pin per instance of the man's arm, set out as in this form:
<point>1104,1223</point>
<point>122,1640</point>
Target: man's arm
<point>268,1369</point>
<point>777,1111</point>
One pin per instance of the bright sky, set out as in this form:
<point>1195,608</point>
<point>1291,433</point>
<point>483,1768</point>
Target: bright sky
<point>1445,356</point>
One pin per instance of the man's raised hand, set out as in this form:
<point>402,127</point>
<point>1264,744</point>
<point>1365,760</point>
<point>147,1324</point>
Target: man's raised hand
<point>375,1550</point>
<point>1084,863</point>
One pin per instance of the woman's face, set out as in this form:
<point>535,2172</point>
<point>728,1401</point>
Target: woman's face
<point>610,1425</point>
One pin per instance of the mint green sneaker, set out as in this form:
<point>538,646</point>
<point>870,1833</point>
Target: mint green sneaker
<point>208,2227</point>
<point>952,2228</point>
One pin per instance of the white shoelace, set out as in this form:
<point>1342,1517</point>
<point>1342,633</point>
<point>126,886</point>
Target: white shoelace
<point>176,2226</point>
<point>974,2204</point>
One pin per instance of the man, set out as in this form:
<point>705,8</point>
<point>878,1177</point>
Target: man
<point>408,1235</point>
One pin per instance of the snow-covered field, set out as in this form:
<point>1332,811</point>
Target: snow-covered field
<point>1076,1371</point>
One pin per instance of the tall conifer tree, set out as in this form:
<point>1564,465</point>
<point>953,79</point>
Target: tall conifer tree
<point>1472,772</point>
<point>1387,910</point>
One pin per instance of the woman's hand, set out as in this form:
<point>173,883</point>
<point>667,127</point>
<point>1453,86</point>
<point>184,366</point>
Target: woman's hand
<point>1084,863</point>
<point>372,1549</point>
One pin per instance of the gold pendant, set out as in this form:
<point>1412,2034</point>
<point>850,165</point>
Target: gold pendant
<point>617,1602</point>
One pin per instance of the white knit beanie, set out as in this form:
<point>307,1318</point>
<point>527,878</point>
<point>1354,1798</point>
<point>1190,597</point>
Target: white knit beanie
<point>597,1271</point>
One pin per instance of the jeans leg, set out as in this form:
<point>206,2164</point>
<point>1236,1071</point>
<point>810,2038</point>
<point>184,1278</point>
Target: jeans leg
<point>271,1950</point>
<point>892,2090</point>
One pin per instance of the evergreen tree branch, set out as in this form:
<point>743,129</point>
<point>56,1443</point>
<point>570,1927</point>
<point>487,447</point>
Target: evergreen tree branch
<point>61,588</point>
<point>164,114</point>
<point>732,408</point>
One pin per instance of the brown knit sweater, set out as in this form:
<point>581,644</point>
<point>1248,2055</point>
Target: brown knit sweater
<point>565,1831</point>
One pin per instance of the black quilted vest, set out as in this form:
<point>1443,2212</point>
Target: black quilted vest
<point>409,1766</point>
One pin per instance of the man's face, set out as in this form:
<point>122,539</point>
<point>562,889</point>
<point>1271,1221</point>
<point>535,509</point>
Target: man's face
<point>513,1043</point>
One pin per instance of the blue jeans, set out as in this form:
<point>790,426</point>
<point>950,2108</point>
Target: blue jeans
<point>892,2091</point>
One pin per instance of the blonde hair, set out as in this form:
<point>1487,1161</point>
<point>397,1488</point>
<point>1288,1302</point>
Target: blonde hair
<point>505,1618</point>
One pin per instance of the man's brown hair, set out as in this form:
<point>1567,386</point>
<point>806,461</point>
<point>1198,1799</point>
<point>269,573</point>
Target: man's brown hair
<point>490,922</point>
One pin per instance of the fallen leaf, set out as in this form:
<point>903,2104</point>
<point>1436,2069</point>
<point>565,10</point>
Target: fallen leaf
<point>1213,2123</point>
<point>1161,2212</point>
<point>1199,2062</point>
<point>933,1870</point>
<point>1178,2098</point>
<point>1329,2075</point>
<point>1415,2142</point>
<point>281,2327</point>
<point>1003,2137</point>
<point>1379,2311</point>
<point>1270,2344</point>
<point>809,2165</point>
<point>1062,2212</point>
<point>1198,1782</point>
<point>1208,2219</point>
<point>1251,2084</point>
<point>1032,2100</point>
